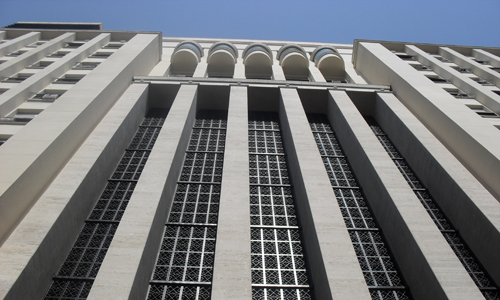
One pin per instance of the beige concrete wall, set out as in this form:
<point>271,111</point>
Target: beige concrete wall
<point>126,269</point>
<point>473,140</point>
<point>37,248</point>
<point>35,155</point>
<point>232,267</point>
<point>18,43</point>
<point>429,266</point>
<point>334,267</point>
<point>473,211</point>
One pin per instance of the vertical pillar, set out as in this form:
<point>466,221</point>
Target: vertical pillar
<point>232,268</point>
<point>239,67</point>
<point>315,74</point>
<point>334,267</point>
<point>480,54</point>
<point>428,264</point>
<point>201,68</point>
<point>19,42</point>
<point>162,68</point>
<point>126,269</point>
<point>278,73</point>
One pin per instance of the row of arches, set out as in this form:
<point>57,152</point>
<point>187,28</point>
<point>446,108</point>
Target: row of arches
<point>258,60</point>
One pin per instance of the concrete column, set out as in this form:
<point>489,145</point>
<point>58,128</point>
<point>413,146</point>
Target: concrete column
<point>2,35</point>
<point>18,43</point>
<point>480,54</point>
<point>35,155</point>
<point>480,70</point>
<point>201,68</point>
<point>429,266</point>
<point>163,67</point>
<point>481,93</point>
<point>127,267</point>
<point>16,64</point>
<point>475,143</point>
<point>473,211</point>
<point>352,75</point>
<point>232,278</point>
<point>37,248</point>
<point>15,96</point>
<point>315,74</point>
<point>239,67</point>
<point>334,266</point>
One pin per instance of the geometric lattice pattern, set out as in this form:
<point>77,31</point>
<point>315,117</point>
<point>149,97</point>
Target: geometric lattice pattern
<point>380,272</point>
<point>457,244</point>
<point>74,279</point>
<point>185,261</point>
<point>278,263</point>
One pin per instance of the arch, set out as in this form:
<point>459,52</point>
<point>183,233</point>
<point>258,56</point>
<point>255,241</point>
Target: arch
<point>258,60</point>
<point>329,62</point>
<point>185,58</point>
<point>221,60</point>
<point>293,60</point>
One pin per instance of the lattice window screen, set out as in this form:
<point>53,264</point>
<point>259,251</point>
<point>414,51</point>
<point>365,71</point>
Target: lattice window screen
<point>185,261</point>
<point>457,244</point>
<point>381,275</point>
<point>76,276</point>
<point>278,264</point>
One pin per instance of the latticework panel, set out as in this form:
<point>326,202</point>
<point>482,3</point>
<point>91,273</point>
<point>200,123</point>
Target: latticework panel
<point>380,271</point>
<point>185,261</point>
<point>278,263</point>
<point>457,244</point>
<point>74,279</point>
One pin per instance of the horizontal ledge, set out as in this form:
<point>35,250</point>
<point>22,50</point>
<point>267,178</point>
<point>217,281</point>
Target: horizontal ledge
<point>197,182</point>
<point>280,286</point>
<point>249,82</point>
<point>271,185</point>
<point>190,224</point>
<point>86,279</point>
<point>268,154</point>
<point>273,227</point>
<point>194,151</point>
<point>158,282</point>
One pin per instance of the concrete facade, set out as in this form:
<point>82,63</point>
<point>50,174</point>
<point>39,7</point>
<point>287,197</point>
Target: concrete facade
<point>244,169</point>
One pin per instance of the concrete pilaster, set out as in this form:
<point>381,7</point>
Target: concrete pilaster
<point>430,267</point>
<point>126,269</point>
<point>35,83</point>
<point>334,266</point>
<point>473,211</point>
<point>474,141</point>
<point>16,64</point>
<point>201,68</point>
<point>36,249</point>
<point>162,68</point>
<point>36,154</point>
<point>481,93</point>
<point>18,43</point>
<point>315,74</point>
<point>232,268</point>
<point>239,67</point>
<point>480,70</point>
<point>480,54</point>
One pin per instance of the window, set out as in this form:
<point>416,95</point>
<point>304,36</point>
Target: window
<point>437,79</point>
<point>462,70</point>
<point>420,67</point>
<point>101,55</point>
<point>484,112</point>
<point>482,62</point>
<point>406,57</point>
<point>40,65</point>
<point>86,66</point>
<point>73,45</point>
<point>16,53</point>
<point>47,96</point>
<point>481,81</point>
<point>112,46</point>
<point>17,78</point>
<point>58,54</point>
<point>34,45</point>
<point>458,93</point>
<point>440,58</point>
<point>496,69</point>
<point>68,79</point>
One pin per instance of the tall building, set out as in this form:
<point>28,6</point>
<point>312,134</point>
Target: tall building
<point>136,166</point>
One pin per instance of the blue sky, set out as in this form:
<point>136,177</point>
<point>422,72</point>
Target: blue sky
<point>440,21</point>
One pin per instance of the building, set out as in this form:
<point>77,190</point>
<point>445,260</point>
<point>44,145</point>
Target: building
<point>136,166</point>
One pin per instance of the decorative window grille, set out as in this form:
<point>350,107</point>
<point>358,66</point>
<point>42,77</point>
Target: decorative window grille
<point>76,276</point>
<point>379,269</point>
<point>457,244</point>
<point>278,264</point>
<point>185,261</point>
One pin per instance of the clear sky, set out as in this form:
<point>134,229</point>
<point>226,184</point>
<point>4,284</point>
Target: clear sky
<point>459,22</point>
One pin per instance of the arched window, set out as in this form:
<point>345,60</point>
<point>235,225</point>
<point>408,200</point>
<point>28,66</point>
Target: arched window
<point>293,60</point>
<point>258,60</point>
<point>185,58</point>
<point>330,63</point>
<point>221,59</point>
